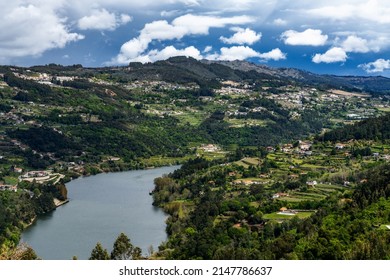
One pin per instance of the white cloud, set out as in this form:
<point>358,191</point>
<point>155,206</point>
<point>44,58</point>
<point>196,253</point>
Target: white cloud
<point>190,2</point>
<point>130,50</point>
<point>379,65</point>
<point>170,51</point>
<point>182,26</point>
<point>333,55</point>
<point>103,20</point>
<point>235,53</point>
<point>208,49</point>
<point>245,52</point>
<point>214,5</point>
<point>124,19</point>
<point>162,30</point>
<point>242,37</point>
<point>275,54</point>
<point>279,22</point>
<point>358,44</point>
<point>355,44</point>
<point>31,29</point>
<point>372,10</point>
<point>309,37</point>
<point>170,13</point>
<point>200,25</point>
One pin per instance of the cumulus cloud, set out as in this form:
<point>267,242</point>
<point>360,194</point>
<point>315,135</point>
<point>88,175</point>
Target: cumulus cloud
<point>309,37</point>
<point>31,29</point>
<point>242,37</point>
<point>182,26</point>
<point>170,51</point>
<point>275,54</point>
<point>124,18</point>
<point>234,53</point>
<point>378,65</point>
<point>355,44</point>
<point>333,55</point>
<point>200,25</point>
<point>358,44</point>
<point>245,52</point>
<point>103,20</point>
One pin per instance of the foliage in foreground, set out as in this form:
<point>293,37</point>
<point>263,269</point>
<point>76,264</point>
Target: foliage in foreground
<point>123,250</point>
<point>342,228</point>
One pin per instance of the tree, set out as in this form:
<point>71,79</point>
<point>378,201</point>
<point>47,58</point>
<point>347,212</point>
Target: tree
<point>137,253</point>
<point>21,252</point>
<point>99,253</point>
<point>124,250</point>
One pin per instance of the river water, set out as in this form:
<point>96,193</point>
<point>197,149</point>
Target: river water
<point>100,208</point>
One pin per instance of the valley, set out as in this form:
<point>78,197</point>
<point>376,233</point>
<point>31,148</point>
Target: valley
<point>274,147</point>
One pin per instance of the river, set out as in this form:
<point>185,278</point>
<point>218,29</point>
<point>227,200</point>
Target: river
<point>100,208</point>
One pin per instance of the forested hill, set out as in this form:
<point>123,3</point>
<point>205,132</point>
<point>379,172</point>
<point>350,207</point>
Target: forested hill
<point>247,129</point>
<point>376,85</point>
<point>370,129</point>
<point>207,73</point>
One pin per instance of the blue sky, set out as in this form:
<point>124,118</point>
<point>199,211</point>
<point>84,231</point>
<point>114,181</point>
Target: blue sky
<point>348,37</point>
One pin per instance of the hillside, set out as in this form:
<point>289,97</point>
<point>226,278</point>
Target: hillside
<point>371,129</point>
<point>61,122</point>
<point>309,200</point>
<point>370,84</point>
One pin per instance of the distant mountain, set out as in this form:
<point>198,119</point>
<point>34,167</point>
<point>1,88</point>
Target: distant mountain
<point>207,73</point>
<point>369,84</point>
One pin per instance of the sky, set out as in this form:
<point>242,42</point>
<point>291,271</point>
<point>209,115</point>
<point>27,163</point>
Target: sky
<point>349,37</point>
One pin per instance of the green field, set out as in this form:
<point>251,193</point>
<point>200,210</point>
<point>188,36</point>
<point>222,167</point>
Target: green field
<point>276,216</point>
<point>246,122</point>
<point>163,161</point>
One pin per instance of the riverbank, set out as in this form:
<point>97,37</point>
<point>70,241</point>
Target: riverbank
<point>25,226</point>
<point>101,207</point>
<point>97,168</point>
<point>59,203</point>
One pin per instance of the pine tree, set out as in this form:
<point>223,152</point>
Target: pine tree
<point>124,250</point>
<point>99,253</point>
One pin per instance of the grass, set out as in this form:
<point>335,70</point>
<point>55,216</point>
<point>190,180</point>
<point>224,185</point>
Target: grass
<point>10,180</point>
<point>240,163</point>
<point>246,162</point>
<point>292,199</point>
<point>384,109</point>
<point>250,161</point>
<point>329,187</point>
<point>276,216</point>
<point>163,161</point>
<point>211,155</point>
<point>246,122</point>
<point>192,118</point>
<point>299,196</point>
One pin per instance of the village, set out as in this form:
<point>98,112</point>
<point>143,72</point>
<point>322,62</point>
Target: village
<point>301,171</point>
<point>342,107</point>
<point>304,161</point>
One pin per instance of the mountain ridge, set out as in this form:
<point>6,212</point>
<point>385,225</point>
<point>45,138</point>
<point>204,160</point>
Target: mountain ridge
<point>207,73</point>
